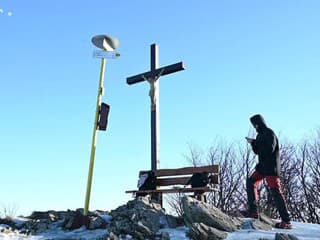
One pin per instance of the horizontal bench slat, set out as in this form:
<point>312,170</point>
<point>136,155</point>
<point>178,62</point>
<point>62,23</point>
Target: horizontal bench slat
<point>182,181</point>
<point>185,171</point>
<point>172,181</point>
<point>174,190</point>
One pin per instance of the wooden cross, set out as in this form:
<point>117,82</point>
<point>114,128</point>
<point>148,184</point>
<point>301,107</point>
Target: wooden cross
<point>152,77</point>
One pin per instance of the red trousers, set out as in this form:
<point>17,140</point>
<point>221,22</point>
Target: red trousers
<point>275,187</point>
<point>272,181</point>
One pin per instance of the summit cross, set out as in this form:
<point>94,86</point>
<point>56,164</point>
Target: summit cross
<point>152,77</point>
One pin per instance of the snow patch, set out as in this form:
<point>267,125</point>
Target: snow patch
<point>179,233</point>
<point>107,218</point>
<point>304,231</point>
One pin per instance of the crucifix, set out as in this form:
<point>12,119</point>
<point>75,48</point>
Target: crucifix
<point>152,78</point>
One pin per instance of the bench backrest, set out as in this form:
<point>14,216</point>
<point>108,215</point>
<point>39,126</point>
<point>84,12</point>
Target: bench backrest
<point>167,177</point>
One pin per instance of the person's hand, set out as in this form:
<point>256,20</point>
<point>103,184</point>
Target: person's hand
<point>249,140</point>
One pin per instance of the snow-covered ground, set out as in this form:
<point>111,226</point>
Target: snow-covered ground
<point>304,231</point>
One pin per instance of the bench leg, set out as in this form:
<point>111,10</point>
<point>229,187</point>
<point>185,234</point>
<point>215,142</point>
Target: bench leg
<point>200,197</point>
<point>157,197</point>
<point>204,198</point>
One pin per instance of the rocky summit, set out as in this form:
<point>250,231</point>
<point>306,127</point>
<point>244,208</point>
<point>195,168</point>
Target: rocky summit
<point>139,219</point>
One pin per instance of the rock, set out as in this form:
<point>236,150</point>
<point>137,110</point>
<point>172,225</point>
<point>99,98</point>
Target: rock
<point>200,212</point>
<point>285,236</point>
<point>81,210</point>
<point>39,222</point>
<point>201,231</point>
<point>8,222</point>
<point>139,218</point>
<point>24,231</point>
<point>264,218</point>
<point>255,224</point>
<point>263,223</point>
<point>4,228</point>
<point>39,226</point>
<point>75,220</point>
<point>260,225</point>
<point>144,230</point>
<point>174,222</point>
<point>49,215</point>
<point>112,236</point>
<point>163,236</point>
<point>97,222</point>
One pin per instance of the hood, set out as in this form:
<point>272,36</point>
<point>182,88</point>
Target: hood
<point>258,120</point>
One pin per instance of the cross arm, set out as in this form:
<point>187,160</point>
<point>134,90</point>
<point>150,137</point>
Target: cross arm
<point>164,71</point>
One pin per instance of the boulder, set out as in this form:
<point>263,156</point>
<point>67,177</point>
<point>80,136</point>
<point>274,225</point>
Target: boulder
<point>49,215</point>
<point>201,231</point>
<point>75,220</point>
<point>174,222</point>
<point>285,236</point>
<point>144,230</point>
<point>267,220</point>
<point>260,225</point>
<point>256,224</point>
<point>97,222</point>
<point>163,236</point>
<point>112,236</point>
<point>139,218</point>
<point>200,212</point>
<point>4,228</point>
<point>8,222</point>
<point>39,226</point>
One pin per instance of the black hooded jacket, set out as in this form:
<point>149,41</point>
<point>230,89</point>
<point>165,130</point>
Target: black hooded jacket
<point>266,146</point>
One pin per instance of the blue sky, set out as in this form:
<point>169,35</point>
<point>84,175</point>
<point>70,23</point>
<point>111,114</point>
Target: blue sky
<point>241,58</point>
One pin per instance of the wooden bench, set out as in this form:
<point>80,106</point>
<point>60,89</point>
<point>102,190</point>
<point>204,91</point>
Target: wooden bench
<point>179,180</point>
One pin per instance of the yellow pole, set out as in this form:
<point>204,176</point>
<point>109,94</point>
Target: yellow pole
<point>94,137</point>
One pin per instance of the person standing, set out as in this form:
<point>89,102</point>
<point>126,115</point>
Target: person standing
<point>266,146</point>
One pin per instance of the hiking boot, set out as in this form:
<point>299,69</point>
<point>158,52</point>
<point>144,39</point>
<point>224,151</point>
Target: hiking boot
<point>283,225</point>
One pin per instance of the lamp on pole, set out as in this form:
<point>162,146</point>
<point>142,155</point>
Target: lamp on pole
<point>107,44</point>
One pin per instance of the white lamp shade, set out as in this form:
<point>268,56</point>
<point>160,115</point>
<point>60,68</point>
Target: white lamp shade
<point>105,42</point>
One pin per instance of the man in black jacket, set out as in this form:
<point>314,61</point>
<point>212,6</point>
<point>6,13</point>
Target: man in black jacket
<point>266,146</point>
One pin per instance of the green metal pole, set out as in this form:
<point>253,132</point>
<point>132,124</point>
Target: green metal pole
<point>94,137</point>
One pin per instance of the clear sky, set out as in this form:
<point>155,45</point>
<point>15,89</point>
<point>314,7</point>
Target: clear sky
<point>241,58</point>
